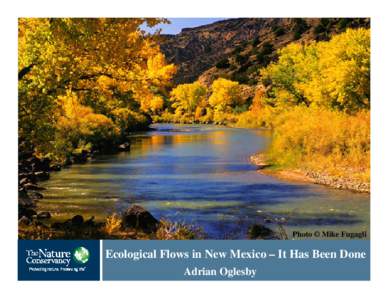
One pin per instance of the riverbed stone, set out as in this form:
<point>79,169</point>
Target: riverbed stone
<point>55,168</point>
<point>77,220</point>
<point>33,187</point>
<point>27,212</point>
<point>138,217</point>
<point>29,177</point>
<point>259,231</point>
<point>24,221</point>
<point>43,215</point>
<point>259,160</point>
<point>42,175</point>
<point>40,164</point>
<point>124,147</point>
<point>34,195</point>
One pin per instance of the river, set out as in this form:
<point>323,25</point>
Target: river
<point>201,175</point>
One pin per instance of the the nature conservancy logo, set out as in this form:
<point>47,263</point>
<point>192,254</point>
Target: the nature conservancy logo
<point>81,255</point>
<point>44,256</point>
<point>59,260</point>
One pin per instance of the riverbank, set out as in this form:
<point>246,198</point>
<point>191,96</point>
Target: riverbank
<point>32,170</point>
<point>134,223</point>
<point>308,176</point>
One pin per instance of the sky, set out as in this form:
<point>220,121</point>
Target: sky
<point>178,23</point>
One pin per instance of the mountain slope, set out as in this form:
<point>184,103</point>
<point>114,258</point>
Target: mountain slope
<point>237,48</point>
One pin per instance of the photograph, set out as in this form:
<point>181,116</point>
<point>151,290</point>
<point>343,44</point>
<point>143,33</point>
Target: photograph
<point>193,128</point>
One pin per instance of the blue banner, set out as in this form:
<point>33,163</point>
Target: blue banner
<point>59,260</point>
<point>236,260</point>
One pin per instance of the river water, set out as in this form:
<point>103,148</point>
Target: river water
<point>201,175</point>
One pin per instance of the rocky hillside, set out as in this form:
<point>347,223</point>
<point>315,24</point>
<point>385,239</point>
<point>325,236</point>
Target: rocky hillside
<point>237,48</point>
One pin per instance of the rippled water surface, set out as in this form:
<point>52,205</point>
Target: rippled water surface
<point>201,175</point>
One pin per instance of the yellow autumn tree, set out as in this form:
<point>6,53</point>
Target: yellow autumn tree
<point>186,97</point>
<point>332,74</point>
<point>156,104</point>
<point>318,96</point>
<point>80,127</point>
<point>110,64</point>
<point>225,93</point>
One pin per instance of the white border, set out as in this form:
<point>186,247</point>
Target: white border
<point>375,289</point>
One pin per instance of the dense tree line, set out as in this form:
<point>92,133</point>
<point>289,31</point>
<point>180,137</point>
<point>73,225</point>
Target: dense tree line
<point>315,97</point>
<point>85,84</point>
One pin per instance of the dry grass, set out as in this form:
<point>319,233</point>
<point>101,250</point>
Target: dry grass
<point>113,224</point>
<point>324,141</point>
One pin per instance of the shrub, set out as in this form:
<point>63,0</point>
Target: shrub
<point>223,64</point>
<point>300,26</point>
<point>279,31</point>
<point>240,77</point>
<point>177,231</point>
<point>79,123</point>
<point>319,139</point>
<point>241,59</point>
<point>255,41</point>
<point>237,50</point>
<point>267,48</point>
<point>343,23</point>
<point>113,224</point>
<point>128,120</point>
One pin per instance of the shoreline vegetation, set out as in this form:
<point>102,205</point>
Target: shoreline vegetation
<point>300,175</point>
<point>85,85</point>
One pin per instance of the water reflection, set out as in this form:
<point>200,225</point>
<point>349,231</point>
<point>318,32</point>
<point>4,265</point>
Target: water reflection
<point>201,175</point>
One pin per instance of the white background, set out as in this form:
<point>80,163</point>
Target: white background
<point>11,289</point>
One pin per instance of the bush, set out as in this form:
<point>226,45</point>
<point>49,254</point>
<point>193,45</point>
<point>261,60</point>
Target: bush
<point>343,23</point>
<point>267,48</point>
<point>223,64</point>
<point>237,50</point>
<point>241,59</point>
<point>319,29</point>
<point>279,31</point>
<point>128,120</point>
<point>240,77</point>
<point>323,140</point>
<point>113,224</point>
<point>177,231</point>
<point>263,59</point>
<point>300,26</point>
<point>255,41</point>
<point>78,124</point>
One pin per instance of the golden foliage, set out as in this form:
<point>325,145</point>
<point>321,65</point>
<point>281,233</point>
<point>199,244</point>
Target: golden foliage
<point>157,104</point>
<point>225,93</point>
<point>107,63</point>
<point>78,124</point>
<point>317,99</point>
<point>192,103</point>
<point>113,224</point>
<point>186,97</point>
<point>323,140</point>
<point>333,74</point>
